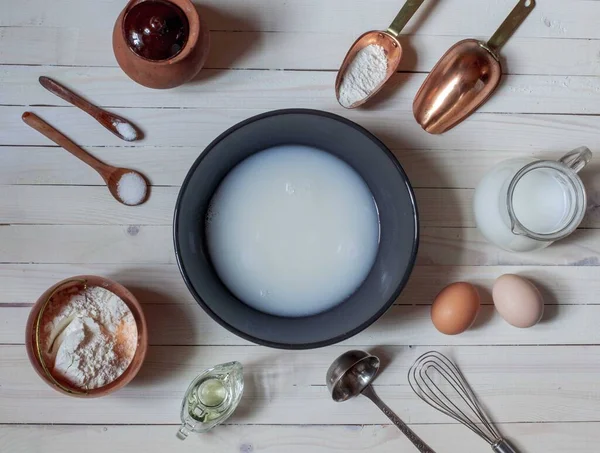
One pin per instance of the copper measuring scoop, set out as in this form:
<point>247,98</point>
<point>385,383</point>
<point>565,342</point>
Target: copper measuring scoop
<point>387,39</point>
<point>465,77</point>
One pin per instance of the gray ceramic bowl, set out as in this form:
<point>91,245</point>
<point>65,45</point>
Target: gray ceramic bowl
<point>351,143</point>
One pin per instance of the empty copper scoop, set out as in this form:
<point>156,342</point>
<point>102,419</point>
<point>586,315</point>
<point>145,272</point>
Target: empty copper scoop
<point>465,77</point>
<point>387,39</point>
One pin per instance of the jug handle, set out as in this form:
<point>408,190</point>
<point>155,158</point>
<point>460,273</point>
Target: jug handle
<point>577,159</point>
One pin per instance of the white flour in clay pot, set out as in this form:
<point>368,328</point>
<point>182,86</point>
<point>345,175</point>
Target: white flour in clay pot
<point>366,71</point>
<point>89,337</point>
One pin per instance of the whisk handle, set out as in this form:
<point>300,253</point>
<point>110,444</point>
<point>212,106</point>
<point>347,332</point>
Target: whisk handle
<point>416,440</point>
<point>502,446</point>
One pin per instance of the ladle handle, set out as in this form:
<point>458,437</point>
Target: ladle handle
<point>416,440</point>
<point>34,121</point>
<point>408,10</point>
<point>510,24</point>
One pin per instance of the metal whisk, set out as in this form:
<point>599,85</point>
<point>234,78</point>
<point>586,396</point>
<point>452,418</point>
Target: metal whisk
<point>438,381</point>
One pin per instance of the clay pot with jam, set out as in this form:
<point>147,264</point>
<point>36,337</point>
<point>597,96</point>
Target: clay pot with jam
<point>160,43</point>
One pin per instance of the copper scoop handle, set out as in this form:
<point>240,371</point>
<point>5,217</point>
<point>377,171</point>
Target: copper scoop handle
<point>510,24</point>
<point>408,10</point>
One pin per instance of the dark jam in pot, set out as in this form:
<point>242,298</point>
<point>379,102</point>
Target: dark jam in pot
<point>156,29</point>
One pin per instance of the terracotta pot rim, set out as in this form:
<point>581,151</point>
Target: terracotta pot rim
<point>194,23</point>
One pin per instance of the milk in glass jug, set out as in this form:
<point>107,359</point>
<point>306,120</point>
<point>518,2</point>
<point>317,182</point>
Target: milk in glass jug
<point>525,204</point>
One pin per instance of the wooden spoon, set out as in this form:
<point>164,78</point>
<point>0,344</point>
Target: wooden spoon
<point>114,123</point>
<point>111,175</point>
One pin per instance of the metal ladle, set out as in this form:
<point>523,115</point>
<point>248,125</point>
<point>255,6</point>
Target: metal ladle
<point>351,374</point>
<point>387,39</point>
<point>465,77</point>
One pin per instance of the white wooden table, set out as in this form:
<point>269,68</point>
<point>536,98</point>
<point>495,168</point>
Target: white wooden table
<point>56,220</point>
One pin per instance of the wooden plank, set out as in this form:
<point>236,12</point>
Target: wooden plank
<point>454,207</point>
<point>165,166</point>
<point>558,284</point>
<point>455,246</point>
<point>272,90</point>
<point>52,165</point>
<point>168,166</point>
<point>197,128</point>
<point>140,244</point>
<point>547,437</point>
<point>516,384</point>
<point>553,18</point>
<point>83,205</point>
<point>189,325</point>
<point>449,168</point>
<point>62,46</point>
<point>95,205</point>
<point>86,244</point>
<point>295,50</point>
<point>162,283</point>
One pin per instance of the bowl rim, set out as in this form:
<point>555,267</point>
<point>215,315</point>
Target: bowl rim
<point>296,346</point>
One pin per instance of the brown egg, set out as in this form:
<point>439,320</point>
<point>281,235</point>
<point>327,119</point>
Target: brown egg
<point>455,308</point>
<point>518,301</point>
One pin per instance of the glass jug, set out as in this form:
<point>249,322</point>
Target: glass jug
<point>526,204</point>
<point>211,398</point>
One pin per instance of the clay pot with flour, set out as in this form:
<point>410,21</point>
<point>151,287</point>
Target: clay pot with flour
<point>34,344</point>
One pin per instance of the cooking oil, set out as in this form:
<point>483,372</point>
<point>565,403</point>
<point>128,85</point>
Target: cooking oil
<point>211,398</point>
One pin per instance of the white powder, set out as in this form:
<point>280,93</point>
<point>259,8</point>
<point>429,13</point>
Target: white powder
<point>90,337</point>
<point>131,188</point>
<point>126,130</point>
<point>363,75</point>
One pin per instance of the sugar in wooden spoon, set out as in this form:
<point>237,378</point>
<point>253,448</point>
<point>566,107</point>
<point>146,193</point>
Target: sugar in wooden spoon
<point>114,123</point>
<point>127,186</point>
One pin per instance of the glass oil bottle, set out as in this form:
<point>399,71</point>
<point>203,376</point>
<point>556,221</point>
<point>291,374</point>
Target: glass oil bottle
<point>211,398</point>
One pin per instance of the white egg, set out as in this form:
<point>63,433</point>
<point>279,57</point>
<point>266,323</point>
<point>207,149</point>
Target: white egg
<point>518,301</point>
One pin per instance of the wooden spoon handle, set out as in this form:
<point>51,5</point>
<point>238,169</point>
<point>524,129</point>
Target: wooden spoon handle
<point>34,121</point>
<point>64,93</point>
